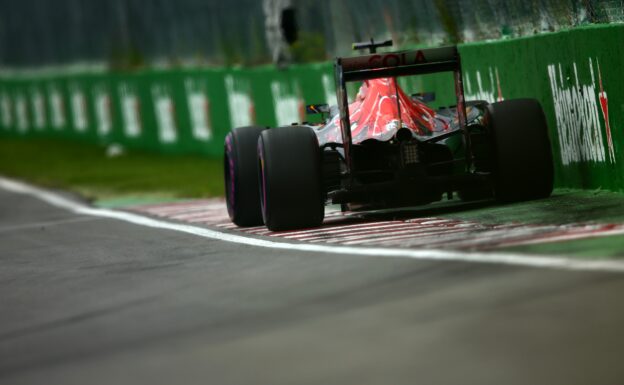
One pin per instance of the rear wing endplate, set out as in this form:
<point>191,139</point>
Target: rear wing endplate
<point>403,63</point>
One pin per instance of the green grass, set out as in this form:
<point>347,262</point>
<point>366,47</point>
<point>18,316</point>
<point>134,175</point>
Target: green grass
<point>87,170</point>
<point>589,248</point>
<point>564,206</point>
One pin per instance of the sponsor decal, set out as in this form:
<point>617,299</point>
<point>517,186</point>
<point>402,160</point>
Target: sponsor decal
<point>21,112</point>
<point>478,91</point>
<point>57,106</point>
<point>164,108</point>
<point>604,107</point>
<point>577,111</point>
<point>103,110</point>
<point>78,107</point>
<point>199,108</point>
<point>289,106</point>
<point>37,102</point>
<point>6,106</point>
<point>242,110</point>
<point>329,89</point>
<point>130,110</point>
<point>396,59</point>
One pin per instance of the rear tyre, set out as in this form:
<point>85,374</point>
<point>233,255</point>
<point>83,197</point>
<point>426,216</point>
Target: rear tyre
<point>292,195</point>
<point>241,176</point>
<point>523,165</point>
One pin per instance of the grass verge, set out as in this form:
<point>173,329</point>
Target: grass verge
<point>87,170</point>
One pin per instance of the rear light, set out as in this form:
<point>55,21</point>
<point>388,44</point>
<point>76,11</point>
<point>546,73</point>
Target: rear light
<point>409,153</point>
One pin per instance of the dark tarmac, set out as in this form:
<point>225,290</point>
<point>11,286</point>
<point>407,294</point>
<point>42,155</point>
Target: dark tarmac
<point>86,300</point>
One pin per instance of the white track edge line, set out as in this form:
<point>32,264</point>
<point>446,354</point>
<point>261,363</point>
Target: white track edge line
<point>527,260</point>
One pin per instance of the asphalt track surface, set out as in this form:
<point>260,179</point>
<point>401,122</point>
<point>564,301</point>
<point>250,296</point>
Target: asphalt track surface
<point>88,300</point>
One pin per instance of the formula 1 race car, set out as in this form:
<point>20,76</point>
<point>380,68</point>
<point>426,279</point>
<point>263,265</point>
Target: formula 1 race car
<point>387,149</point>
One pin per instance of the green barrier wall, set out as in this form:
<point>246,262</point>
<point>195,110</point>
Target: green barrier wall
<point>576,75</point>
<point>171,111</point>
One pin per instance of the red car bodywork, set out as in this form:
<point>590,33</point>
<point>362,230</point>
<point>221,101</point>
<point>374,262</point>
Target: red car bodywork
<point>375,114</point>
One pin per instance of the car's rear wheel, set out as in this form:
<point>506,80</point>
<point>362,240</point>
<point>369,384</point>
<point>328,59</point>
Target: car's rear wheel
<point>476,193</point>
<point>292,195</point>
<point>523,165</point>
<point>241,176</point>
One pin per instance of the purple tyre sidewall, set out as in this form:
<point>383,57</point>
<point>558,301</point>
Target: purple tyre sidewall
<point>230,175</point>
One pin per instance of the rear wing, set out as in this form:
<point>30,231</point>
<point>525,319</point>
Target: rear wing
<point>422,61</point>
<point>393,64</point>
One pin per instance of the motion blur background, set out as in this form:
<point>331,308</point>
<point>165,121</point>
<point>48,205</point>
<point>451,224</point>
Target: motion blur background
<point>94,93</point>
<point>165,33</point>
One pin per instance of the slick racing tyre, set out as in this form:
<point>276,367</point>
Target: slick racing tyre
<point>292,194</point>
<point>241,176</point>
<point>475,193</point>
<point>523,165</point>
